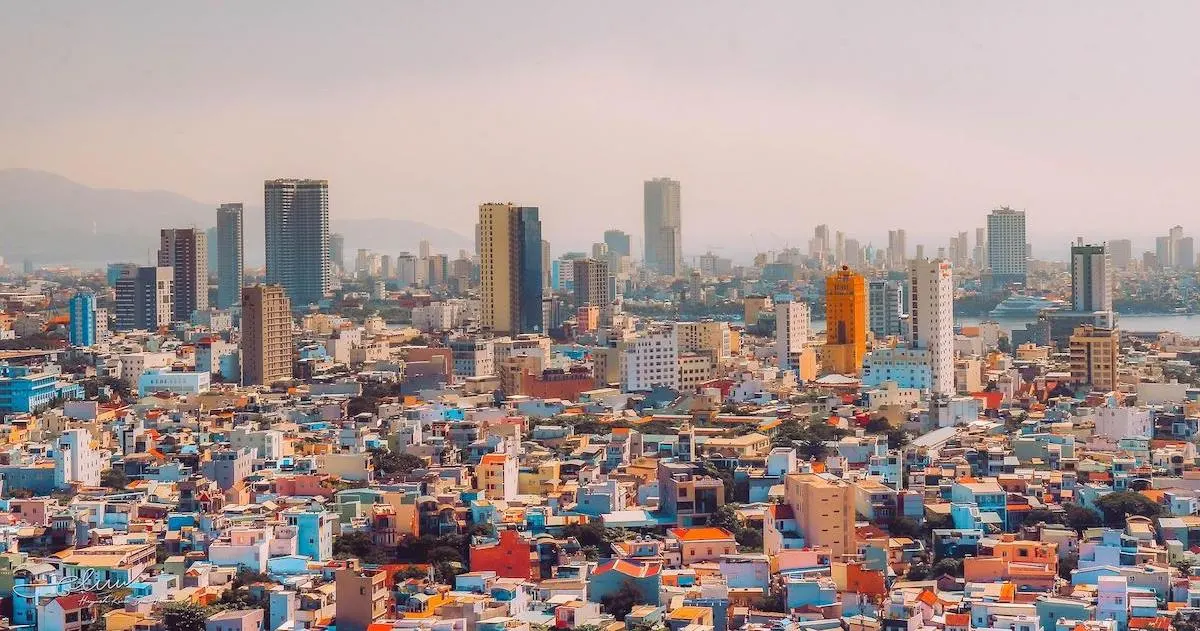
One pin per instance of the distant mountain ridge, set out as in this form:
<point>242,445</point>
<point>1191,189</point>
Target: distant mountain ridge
<point>51,219</point>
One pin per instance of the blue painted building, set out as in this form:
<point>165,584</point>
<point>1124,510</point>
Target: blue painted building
<point>609,576</point>
<point>82,308</point>
<point>314,532</point>
<point>28,389</point>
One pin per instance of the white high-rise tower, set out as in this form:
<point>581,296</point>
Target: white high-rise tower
<point>931,312</point>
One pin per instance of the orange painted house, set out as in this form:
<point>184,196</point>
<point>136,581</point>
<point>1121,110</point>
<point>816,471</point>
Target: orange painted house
<point>511,556</point>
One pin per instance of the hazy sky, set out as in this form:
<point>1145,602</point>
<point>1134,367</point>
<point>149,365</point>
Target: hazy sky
<point>774,115</point>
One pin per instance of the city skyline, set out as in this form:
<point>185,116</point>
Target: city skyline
<point>933,139</point>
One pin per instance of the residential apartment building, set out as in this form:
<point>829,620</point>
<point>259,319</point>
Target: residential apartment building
<point>145,298</point>
<point>1094,354</point>
<point>185,251</point>
<point>885,303</point>
<point>82,308</point>
<point>266,335</point>
<point>792,318</point>
<point>651,359</point>
<point>931,309</point>
<point>1008,250</point>
<point>824,511</point>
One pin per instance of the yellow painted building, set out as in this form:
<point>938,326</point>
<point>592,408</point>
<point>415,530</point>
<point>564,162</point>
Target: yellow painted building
<point>845,322</point>
<point>824,511</point>
<point>1094,353</point>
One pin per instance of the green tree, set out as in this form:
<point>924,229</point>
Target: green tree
<point>878,425</point>
<point>948,565</point>
<point>1081,518</point>
<point>619,603</point>
<point>114,479</point>
<point>1039,515</point>
<point>1066,565</point>
<point>184,617</point>
<point>1116,506</point>
<point>904,527</point>
<point>388,462</point>
<point>897,438</point>
<point>917,571</point>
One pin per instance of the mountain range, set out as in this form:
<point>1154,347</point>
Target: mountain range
<point>50,219</point>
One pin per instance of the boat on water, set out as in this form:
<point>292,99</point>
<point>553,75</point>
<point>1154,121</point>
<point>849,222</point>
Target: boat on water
<point>1025,306</point>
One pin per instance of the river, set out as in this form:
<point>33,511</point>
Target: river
<point>1187,324</point>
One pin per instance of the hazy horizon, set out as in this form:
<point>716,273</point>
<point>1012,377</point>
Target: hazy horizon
<point>775,116</point>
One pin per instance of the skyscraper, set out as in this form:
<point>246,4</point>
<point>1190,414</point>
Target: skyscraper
<point>1175,235</point>
<point>1094,356</point>
<point>297,227</point>
<point>663,225</point>
<point>1120,253</point>
<point>230,255</point>
<point>591,283</point>
<point>845,321</point>
<point>1185,254</point>
<point>266,335</point>
<point>931,308</point>
<point>1163,254</point>
<point>1007,250</point>
<point>185,250</point>
<point>897,248</point>
<point>885,304</point>
<point>337,253</point>
<point>792,319</point>
<point>82,308</point>
<point>510,267</point>
<point>1091,278</point>
<point>618,243</point>
<point>145,298</point>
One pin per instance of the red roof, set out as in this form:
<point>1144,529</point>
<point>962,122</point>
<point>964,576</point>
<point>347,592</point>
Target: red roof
<point>71,602</point>
<point>493,459</point>
<point>958,619</point>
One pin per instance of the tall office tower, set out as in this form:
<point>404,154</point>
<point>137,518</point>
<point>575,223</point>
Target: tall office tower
<point>386,269</point>
<point>1175,234</point>
<point>1163,255</point>
<point>266,335</point>
<point>1094,355</point>
<point>406,270</point>
<point>1091,278</point>
<point>931,309</point>
<point>839,247</point>
<point>297,225</point>
<point>82,308</point>
<point>337,253</point>
<point>437,265</point>
<point>885,303</point>
<point>145,298</point>
<point>591,283</point>
<point>664,227</point>
<point>818,246</point>
<point>424,249</point>
<point>617,242</point>
<point>546,281</point>
<point>1185,254</point>
<point>792,319</point>
<point>897,248</point>
<point>230,255</point>
<point>920,251</point>
<point>1120,253</point>
<point>845,321</point>
<point>1008,251</point>
<point>600,251</point>
<point>510,268</point>
<point>185,250</point>
<point>960,250</point>
<point>854,253</point>
<point>980,254</point>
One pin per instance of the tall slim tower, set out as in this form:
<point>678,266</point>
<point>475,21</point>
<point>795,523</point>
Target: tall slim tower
<point>1007,249</point>
<point>510,268</point>
<point>337,253</point>
<point>792,319</point>
<point>591,283</point>
<point>185,250</point>
<point>931,308</point>
<point>664,227</point>
<point>230,255</point>
<point>297,227</point>
<point>845,321</point>
<point>1091,278</point>
<point>145,297</point>
<point>885,303</point>
<point>83,319</point>
<point>266,335</point>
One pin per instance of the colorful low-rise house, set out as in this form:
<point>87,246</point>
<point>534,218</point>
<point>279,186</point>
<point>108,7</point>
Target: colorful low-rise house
<point>609,577</point>
<point>700,544</point>
<point>510,555</point>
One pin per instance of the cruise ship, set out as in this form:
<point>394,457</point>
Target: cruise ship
<point>1025,306</point>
